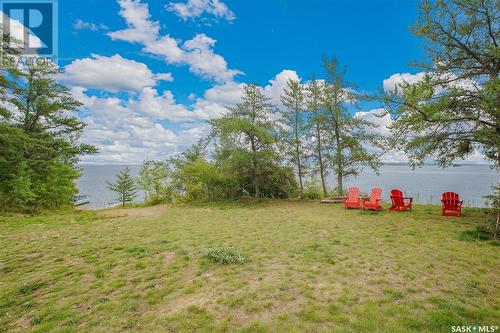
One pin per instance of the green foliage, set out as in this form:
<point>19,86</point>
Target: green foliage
<point>125,186</point>
<point>493,200</point>
<point>58,186</point>
<point>348,137</point>
<point>454,110</point>
<point>224,256</point>
<point>312,189</point>
<point>317,132</point>
<point>245,137</point>
<point>154,180</point>
<point>38,139</point>
<point>293,128</point>
<point>21,189</point>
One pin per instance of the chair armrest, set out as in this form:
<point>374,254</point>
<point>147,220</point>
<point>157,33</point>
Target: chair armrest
<point>408,198</point>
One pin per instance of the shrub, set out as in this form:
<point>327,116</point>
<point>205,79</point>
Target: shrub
<point>224,256</point>
<point>312,189</point>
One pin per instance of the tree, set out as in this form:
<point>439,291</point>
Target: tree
<point>348,135</point>
<point>39,129</point>
<point>125,186</point>
<point>454,110</point>
<point>246,135</point>
<point>493,199</point>
<point>293,130</point>
<point>154,180</point>
<point>21,187</point>
<point>316,127</point>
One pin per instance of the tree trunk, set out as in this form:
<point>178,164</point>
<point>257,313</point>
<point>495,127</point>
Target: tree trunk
<point>256,184</point>
<point>339,160</point>
<point>340,185</point>
<point>496,229</point>
<point>297,151</point>
<point>320,161</point>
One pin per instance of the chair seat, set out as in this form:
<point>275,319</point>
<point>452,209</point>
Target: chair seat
<point>352,204</point>
<point>369,205</point>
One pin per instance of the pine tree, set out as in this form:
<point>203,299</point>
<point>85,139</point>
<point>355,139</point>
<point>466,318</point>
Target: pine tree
<point>348,135</point>
<point>247,134</point>
<point>316,126</point>
<point>454,110</point>
<point>293,131</point>
<point>125,186</point>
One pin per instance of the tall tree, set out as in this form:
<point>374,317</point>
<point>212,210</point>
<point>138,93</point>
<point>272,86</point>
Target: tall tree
<point>316,120</point>
<point>349,136</point>
<point>38,117</point>
<point>293,130</point>
<point>125,186</point>
<point>454,110</point>
<point>247,134</point>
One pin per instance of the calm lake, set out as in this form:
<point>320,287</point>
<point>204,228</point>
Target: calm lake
<point>425,184</point>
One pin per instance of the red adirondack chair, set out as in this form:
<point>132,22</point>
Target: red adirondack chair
<point>373,202</point>
<point>352,200</point>
<point>452,205</point>
<point>399,202</point>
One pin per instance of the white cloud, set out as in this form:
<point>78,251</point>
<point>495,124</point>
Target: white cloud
<point>449,79</point>
<point>111,74</point>
<point>127,131</point>
<point>163,107</point>
<point>164,77</point>
<point>278,83</point>
<point>228,93</point>
<point>204,62</point>
<point>196,8</point>
<point>131,129</point>
<point>397,79</point>
<point>140,27</point>
<point>197,52</point>
<point>82,25</point>
<point>380,117</point>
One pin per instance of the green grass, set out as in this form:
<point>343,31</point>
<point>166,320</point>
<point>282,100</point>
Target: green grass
<point>308,267</point>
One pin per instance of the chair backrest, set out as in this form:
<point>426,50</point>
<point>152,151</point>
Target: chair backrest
<point>375,195</point>
<point>397,198</point>
<point>353,194</point>
<point>450,200</point>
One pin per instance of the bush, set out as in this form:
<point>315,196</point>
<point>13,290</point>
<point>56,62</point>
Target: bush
<point>312,189</point>
<point>224,256</point>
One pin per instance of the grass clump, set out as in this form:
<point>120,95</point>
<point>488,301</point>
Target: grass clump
<point>478,234</point>
<point>224,256</point>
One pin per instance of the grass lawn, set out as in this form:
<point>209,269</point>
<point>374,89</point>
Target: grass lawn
<point>309,267</point>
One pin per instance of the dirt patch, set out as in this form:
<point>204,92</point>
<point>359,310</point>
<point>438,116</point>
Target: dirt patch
<point>183,302</point>
<point>168,257</point>
<point>323,232</point>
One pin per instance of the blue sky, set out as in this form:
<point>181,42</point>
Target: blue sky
<point>150,73</point>
<point>370,37</point>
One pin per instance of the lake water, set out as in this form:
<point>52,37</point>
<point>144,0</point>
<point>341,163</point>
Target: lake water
<point>425,184</point>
